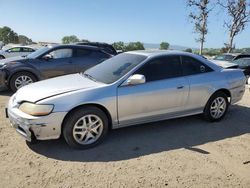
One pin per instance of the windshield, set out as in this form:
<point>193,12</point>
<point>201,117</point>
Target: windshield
<point>114,68</point>
<point>37,53</point>
<point>224,57</point>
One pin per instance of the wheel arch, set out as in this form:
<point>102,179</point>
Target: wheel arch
<point>225,91</point>
<point>99,106</point>
<point>18,71</point>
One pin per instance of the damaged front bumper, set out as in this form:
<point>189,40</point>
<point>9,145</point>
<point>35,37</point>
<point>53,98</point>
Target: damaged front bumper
<point>34,127</point>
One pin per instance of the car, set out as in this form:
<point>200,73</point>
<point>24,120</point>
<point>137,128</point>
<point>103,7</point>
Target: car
<point>128,89</point>
<point>104,46</point>
<point>244,64</point>
<point>48,62</point>
<point>226,60</point>
<point>16,51</point>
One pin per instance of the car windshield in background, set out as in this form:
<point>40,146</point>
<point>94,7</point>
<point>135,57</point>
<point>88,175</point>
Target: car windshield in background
<point>37,53</point>
<point>224,57</point>
<point>113,69</point>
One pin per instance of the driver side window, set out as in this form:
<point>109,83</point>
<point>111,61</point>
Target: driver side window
<point>61,53</point>
<point>161,68</point>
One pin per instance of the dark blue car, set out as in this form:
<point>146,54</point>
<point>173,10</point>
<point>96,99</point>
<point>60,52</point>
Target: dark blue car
<point>49,62</point>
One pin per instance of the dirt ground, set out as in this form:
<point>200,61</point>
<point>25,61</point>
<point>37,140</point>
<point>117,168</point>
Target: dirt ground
<point>186,152</point>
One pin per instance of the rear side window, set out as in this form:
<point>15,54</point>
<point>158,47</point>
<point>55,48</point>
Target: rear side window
<point>82,52</point>
<point>193,66</point>
<point>28,50</point>
<point>161,68</point>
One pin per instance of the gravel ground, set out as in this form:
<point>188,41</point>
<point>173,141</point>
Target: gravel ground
<point>186,152</point>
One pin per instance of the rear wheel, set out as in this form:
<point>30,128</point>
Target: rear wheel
<point>216,107</point>
<point>21,79</point>
<point>85,127</point>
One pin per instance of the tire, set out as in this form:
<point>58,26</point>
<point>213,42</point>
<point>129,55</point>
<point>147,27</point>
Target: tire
<point>2,57</point>
<point>28,78</point>
<point>75,131</point>
<point>211,112</point>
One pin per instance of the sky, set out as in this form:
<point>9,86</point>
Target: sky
<point>148,21</point>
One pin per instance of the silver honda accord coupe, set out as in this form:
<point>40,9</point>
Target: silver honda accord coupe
<point>130,88</point>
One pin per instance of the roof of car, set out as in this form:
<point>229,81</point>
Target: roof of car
<point>158,52</point>
<point>19,47</point>
<point>155,53</point>
<point>76,46</point>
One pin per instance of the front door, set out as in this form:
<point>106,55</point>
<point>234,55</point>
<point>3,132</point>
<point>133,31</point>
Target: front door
<point>59,63</point>
<point>165,92</point>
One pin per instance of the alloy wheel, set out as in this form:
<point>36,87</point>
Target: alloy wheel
<point>87,129</point>
<point>22,81</point>
<point>218,107</point>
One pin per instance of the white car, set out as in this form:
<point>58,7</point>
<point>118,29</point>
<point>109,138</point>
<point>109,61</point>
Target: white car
<point>16,51</point>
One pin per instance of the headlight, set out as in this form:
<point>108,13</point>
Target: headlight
<point>36,109</point>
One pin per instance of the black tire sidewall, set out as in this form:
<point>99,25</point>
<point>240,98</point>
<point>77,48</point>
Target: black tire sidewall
<point>2,57</point>
<point>16,75</point>
<point>207,113</point>
<point>74,116</point>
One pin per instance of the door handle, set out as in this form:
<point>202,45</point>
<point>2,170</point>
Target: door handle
<point>180,87</point>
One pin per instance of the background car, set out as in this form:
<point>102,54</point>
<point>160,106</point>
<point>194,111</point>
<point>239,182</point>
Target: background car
<point>49,62</point>
<point>104,46</point>
<point>244,64</point>
<point>226,60</point>
<point>16,51</point>
<point>130,88</point>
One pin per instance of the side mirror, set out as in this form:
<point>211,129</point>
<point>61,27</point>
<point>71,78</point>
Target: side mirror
<point>8,51</point>
<point>47,57</point>
<point>135,80</point>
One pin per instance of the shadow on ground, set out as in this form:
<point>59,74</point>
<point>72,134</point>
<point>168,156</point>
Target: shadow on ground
<point>132,142</point>
<point>6,93</point>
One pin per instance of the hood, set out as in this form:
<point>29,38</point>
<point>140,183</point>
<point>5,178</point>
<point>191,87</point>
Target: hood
<point>11,59</point>
<point>224,64</point>
<point>55,86</point>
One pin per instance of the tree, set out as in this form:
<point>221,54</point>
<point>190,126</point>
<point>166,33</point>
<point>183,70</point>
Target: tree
<point>7,35</point>
<point>239,16</point>
<point>189,50</point>
<point>134,46</point>
<point>24,40</point>
<point>199,16</point>
<point>119,46</point>
<point>164,46</point>
<point>70,39</point>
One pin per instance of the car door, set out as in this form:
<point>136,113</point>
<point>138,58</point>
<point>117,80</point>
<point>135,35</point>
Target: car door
<point>200,76</point>
<point>26,51</point>
<point>13,52</point>
<point>56,63</point>
<point>86,58</point>
<point>164,92</point>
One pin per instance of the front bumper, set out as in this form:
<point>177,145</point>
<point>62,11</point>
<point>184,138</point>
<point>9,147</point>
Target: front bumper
<point>30,127</point>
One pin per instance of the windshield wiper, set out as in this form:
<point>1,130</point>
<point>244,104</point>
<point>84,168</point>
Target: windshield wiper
<point>89,76</point>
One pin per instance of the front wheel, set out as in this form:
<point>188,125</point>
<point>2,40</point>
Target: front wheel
<point>216,107</point>
<point>21,79</point>
<point>85,127</point>
<point>2,57</point>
